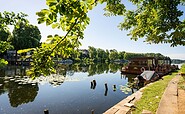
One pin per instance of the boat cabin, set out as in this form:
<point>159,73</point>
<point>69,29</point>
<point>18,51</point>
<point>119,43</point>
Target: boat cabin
<point>138,65</point>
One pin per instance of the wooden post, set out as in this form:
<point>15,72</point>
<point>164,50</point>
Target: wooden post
<point>114,87</point>
<point>132,90</point>
<point>106,91</point>
<point>106,87</point>
<point>92,84</point>
<point>92,111</point>
<point>46,111</point>
<point>94,81</point>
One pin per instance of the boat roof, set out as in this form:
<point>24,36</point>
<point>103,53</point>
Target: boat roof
<point>148,74</point>
<point>146,58</point>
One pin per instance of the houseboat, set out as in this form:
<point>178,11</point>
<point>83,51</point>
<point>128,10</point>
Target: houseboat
<point>161,66</point>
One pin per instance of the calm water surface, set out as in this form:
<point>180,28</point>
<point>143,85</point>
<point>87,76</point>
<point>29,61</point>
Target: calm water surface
<point>69,92</point>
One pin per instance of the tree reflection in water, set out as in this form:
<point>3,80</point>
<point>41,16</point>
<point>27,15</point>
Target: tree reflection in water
<point>91,69</point>
<point>21,94</point>
<point>24,93</point>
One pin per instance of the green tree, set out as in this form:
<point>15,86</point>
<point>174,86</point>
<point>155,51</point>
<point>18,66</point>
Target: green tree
<point>4,34</point>
<point>25,36</point>
<point>92,52</point>
<point>8,18</point>
<point>113,55</point>
<point>100,55</point>
<point>121,55</point>
<point>158,21</point>
<point>107,54</point>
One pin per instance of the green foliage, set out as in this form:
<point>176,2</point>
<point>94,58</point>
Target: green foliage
<point>113,55</point>
<point>128,55</point>
<point>5,34</point>
<point>125,88</point>
<point>10,18</point>
<point>25,36</point>
<point>156,20</point>
<point>43,56</point>
<point>42,63</point>
<point>3,63</point>
<point>70,16</point>
<point>7,18</point>
<point>114,8</point>
<point>92,52</point>
<point>182,69</point>
<point>5,46</point>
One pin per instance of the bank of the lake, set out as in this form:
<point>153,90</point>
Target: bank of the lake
<point>152,95</point>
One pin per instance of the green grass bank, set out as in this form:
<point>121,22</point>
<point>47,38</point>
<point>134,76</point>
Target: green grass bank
<point>152,95</point>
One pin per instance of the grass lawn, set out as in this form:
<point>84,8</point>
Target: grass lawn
<point>152,95</point>
<point>181,83</point>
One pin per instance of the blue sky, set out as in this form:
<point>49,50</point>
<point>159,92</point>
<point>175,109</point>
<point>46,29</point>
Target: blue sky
<point>102,32</point>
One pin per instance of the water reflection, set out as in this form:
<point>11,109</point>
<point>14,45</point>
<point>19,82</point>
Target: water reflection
<point>21,94</point>
<point>23,90</point>
<point>93,69</point>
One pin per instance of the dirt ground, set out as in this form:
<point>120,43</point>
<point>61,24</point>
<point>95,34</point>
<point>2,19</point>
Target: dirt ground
<point>181,101</point>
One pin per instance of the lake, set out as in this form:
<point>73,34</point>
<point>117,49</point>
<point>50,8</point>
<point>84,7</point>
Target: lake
<point>67,92</point>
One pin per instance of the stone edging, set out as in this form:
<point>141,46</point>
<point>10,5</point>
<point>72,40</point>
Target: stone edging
<point>124,106</point>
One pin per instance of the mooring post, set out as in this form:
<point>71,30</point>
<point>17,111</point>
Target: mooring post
<point>106,87</point>
<point>92,84</point>
<point>132,90</point>
<point>94,81</point>
<point>92,111</point>
<point>114,87</point>
<point>46,111</point>
<point>106,91</point>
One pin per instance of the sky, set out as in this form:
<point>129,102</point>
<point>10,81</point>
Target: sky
<point>102,32</point>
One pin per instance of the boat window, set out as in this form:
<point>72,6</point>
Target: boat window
<point>149,62</point>
<point>160,62</point>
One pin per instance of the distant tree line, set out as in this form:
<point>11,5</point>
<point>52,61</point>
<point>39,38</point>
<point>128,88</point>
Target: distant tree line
<point>177,61</point>
<point>94,55</point>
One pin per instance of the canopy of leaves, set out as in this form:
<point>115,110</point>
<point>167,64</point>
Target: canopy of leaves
<point>3,63</point>
<point>7,18</point>
<point>25,36</point>
<point>70,16</point>
<point>4,34</point>
<point>5,46</point>
<point>10,18</point>
<point>156,20</point>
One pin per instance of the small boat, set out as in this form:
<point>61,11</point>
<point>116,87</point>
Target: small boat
<point>146,77</point>
<point>161,66</point>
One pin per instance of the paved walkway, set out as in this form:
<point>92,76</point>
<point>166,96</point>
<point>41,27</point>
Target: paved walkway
<point>168,103</point>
